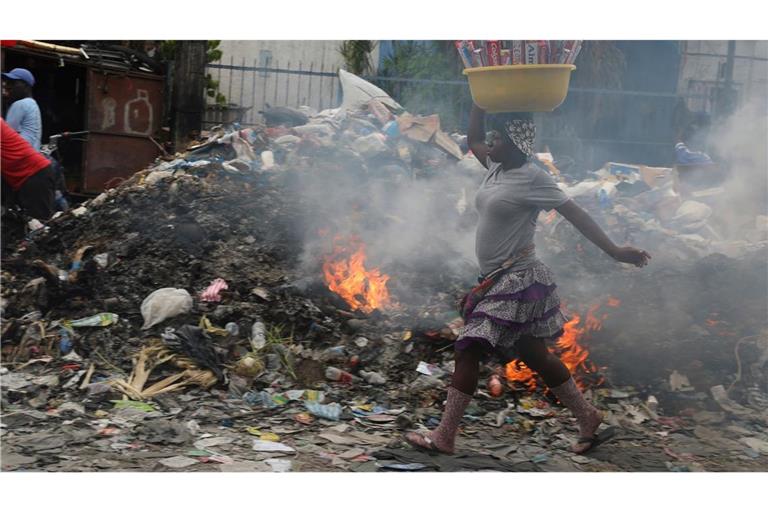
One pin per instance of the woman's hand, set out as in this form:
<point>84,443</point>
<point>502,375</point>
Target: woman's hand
<point>636,257</point>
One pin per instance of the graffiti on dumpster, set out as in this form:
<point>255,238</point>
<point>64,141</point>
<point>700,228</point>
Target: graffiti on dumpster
<point>108,105</point>
<point>130,105</point>
<point>138,114</point>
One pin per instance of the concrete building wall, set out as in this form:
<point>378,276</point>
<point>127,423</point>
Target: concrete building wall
<point>750,74</point>
<point>257,89</point>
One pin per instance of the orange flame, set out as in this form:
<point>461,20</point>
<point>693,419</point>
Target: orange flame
<point>570,352</point>
<point>593,323</point>
<point>345,274</point>
<point>613,302</point>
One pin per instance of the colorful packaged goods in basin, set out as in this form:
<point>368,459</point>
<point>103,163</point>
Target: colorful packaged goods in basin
<point>518,76</point>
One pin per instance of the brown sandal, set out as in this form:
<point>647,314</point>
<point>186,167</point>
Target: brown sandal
<point>422,441</point>
<point>594,441</point>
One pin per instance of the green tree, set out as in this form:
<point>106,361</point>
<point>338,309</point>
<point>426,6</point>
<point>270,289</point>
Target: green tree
<point>428,60</point>
<point>357,56</point>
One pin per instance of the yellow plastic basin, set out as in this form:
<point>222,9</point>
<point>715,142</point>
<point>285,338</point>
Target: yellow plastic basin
<point>519,88</point>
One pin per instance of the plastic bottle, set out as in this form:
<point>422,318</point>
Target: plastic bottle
<point>374,378</point>
<point>100,320</point>
<point>258,335</point>
<point>232,328</point>
<point>65,343</point>
<point>335,374</point>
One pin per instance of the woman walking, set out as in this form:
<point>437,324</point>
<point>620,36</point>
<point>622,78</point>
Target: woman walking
<point>515,310</point>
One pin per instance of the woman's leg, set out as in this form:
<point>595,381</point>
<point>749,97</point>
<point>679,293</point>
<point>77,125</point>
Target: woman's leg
<point>536,356</point>
<point>534,353</point>
<point>467,370</point>
<point>463,385</point>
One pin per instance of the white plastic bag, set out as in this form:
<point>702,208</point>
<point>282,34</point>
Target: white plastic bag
<point>155,176</point>
<point>163,304</point>
<point>692,212</point>
<point>267,160</point>
<point>691,216</point>
<point>358,92</point>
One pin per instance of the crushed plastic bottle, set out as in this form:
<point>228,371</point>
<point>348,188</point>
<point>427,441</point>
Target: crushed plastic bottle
<point>100,320</point>
<point>326,411</point>
<point>335,374</point>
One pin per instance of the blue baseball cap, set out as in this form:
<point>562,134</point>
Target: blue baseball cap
<point>20,74</point>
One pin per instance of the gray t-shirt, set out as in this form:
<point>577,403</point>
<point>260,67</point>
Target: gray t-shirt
<point>24,117</point>
<point>509,201</point>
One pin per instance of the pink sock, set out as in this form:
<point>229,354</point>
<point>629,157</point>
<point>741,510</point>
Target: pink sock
<point>444,435</point>
<point>587,416</point>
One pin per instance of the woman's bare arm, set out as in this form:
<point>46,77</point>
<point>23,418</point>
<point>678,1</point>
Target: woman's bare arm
<point>581,220</point>
<point>476,134</point>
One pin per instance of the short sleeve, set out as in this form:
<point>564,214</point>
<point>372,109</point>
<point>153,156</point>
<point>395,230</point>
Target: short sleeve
<point>24,117</point>
<point>544,192</point>
<point>15,115</point>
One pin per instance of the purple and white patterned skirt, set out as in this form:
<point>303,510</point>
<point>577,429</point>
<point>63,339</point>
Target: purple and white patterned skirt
<point>510,306</point>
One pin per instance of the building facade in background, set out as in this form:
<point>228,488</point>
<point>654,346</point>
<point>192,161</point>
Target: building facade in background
<point>704,71</point>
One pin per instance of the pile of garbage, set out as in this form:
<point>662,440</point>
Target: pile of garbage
<point>661,209</point>
<point>187,279</point>
<point>178,322</point>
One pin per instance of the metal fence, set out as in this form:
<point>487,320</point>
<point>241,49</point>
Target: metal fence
<point>634,126</point>
<point>250,89</point>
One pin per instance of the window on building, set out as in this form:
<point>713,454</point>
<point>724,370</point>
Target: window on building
<point>265,61</point>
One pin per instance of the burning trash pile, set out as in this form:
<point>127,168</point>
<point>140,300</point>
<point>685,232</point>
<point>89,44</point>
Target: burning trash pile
<point>282,298</point>
<point>189,292</point>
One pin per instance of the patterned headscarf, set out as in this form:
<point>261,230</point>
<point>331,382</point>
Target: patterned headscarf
<point>522,133</point>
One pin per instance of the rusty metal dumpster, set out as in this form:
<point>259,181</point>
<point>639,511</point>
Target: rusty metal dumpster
<point>124,111</point>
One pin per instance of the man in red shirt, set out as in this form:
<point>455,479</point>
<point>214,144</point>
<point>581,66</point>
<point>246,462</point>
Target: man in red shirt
<point>27,174</point>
